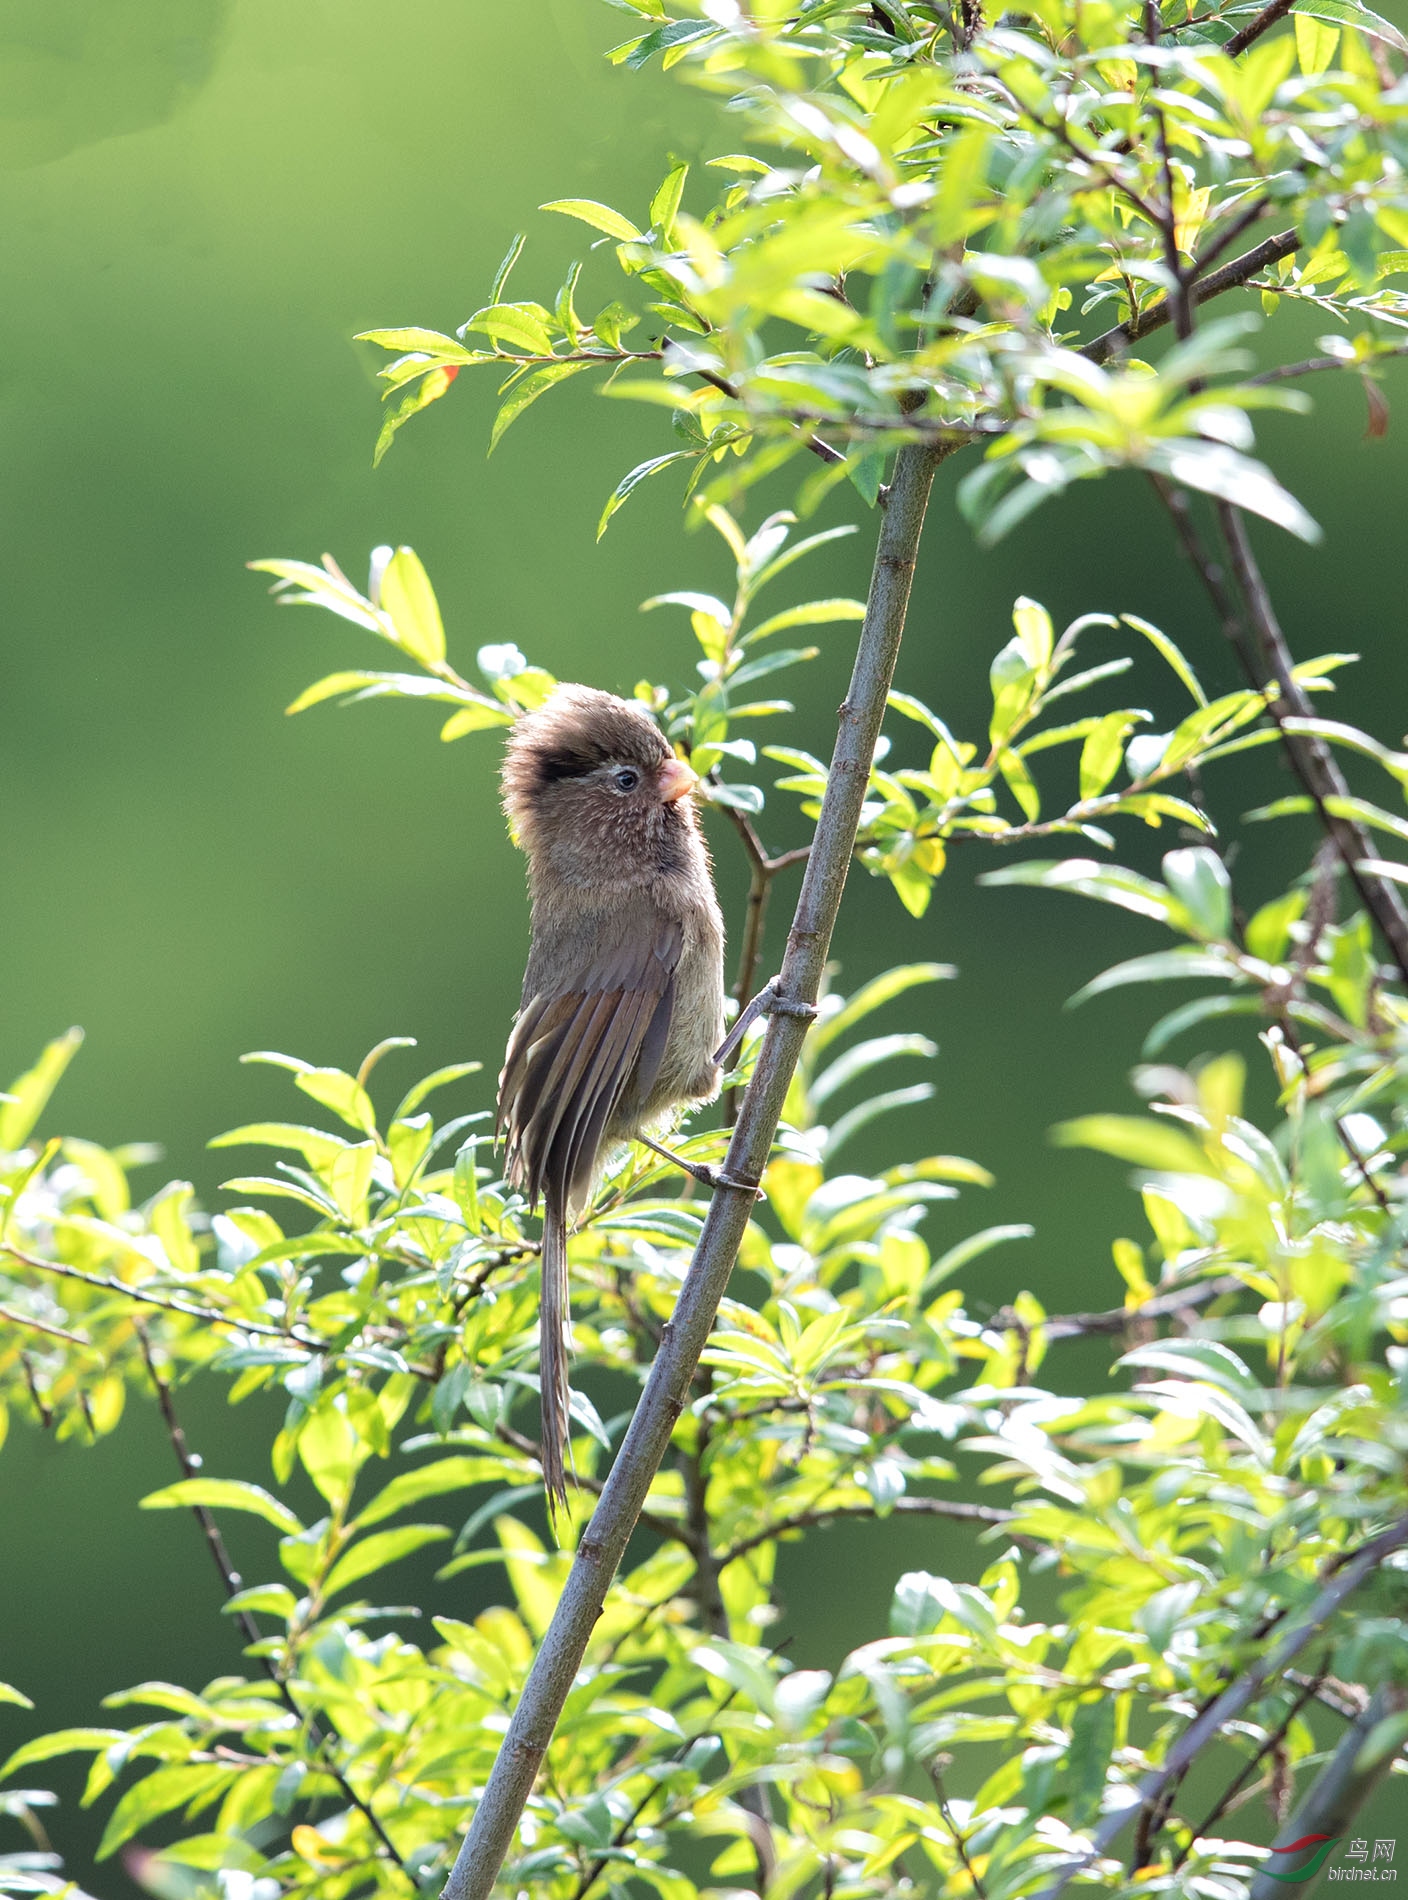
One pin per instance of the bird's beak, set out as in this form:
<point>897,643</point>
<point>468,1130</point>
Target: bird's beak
<point>676,781</point>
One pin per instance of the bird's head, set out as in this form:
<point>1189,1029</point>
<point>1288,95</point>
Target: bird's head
<point>591,786</point>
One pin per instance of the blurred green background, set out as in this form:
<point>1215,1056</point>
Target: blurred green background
<point>202,200</point>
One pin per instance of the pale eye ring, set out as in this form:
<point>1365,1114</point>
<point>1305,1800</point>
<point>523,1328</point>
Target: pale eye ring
<point>625,780</point>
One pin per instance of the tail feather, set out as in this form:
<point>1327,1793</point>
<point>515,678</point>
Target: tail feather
<point>554,1351</point>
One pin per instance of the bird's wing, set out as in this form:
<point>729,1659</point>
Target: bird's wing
<point>577,1051</point>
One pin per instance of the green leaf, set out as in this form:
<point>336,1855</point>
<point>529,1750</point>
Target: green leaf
<point>1103,750</point>
<point>64,1741</point>
<point>1088,1758</point>
<point>368,685</point>
<point>1395,763</point>
<point>1111,884</point>
<point>441,1078</point>
<point>264,1599</point>
<point>160,1792</point>
<point>1034,632</point>
<point>407,597</point>
<point>1346,13</point>
<point>430,388</point>
<point>872,996</point>
<point>812,613</point>
<point>27,1098</point>
<point>1165,647</point>
<point>331,1452</point>
<point>527,390</point>
<point>1198,878</point>
<point>1148,1144</point>
<point>628,483</point>
<point>1189,1015</point>
<point>524,325</point>
<point>502,274</point>
<point>973,1248</point>
<point>223,1494</point>
<point>1161,966</point>
<point>420,342</point>
<point>315,1145</point>
<point>10,1694</point>
<point>1214,469</point>
<point>600,217</point>
<point>446,1474</point>
<point>665,205</point>
<point>475,719</point>
<point>376,1552</point>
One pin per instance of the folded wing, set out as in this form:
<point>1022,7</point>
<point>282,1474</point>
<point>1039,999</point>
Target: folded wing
<point>583,1055</point>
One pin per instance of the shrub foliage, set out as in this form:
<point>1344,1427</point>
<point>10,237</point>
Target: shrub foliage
<point>1198,1564</point>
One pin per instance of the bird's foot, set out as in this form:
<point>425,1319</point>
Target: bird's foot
<point>703,1171</point>
<point>768,1002</point>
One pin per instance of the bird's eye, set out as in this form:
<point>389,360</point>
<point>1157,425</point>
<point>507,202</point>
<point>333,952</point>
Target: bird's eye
<point>625,780</point>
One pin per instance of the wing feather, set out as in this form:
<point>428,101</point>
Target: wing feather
<point>577,1054</point>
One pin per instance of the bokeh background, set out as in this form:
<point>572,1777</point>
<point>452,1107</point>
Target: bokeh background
<point>202,201</point>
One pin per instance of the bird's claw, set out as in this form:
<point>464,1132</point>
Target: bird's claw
<point>715,1178</point>
<point>704,1172</point>
<point>768,1002</point>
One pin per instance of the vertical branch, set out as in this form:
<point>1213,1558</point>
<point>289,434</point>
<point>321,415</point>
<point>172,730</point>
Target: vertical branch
<point>604,1541</point>
<point>1315,764</point>
<point>1266,657</point>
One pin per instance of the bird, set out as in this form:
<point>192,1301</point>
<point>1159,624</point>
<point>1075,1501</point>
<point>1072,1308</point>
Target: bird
<point>623,994</point>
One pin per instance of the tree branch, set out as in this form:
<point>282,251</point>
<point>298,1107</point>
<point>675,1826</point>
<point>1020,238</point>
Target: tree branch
<point>1231,277</point>
<point>207,1314</point>
<point>12,1318</point>
<point>604,1541</point>
<point>1230,1704</point>
<point>926,1507</point>
<point>1118,1318</point>
<point>1254,29</point>
<point>1311,759</point>
<point>1315,764</point>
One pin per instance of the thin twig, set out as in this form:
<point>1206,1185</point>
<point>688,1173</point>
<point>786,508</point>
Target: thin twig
<point>1168,220</point>
<point>7,1313</point>
<point>628,1826</point>
<point>1228,236</point>
<point>583,1595</point>
<point>923,1507</point>
<point>1231,277</point>
<point>936,1775</point>
<point>232,1583</point>
<point>1254,29</point>
<point>1311,759</point>
<point>1315,764</point>
<point>1118,1319</point>
<point>208,1314</point>
<point>1309,1689</point>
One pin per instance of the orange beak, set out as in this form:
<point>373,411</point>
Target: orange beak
<point>676,781</point>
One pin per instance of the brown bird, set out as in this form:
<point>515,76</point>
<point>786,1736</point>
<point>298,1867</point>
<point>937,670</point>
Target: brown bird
<point>623,995</point>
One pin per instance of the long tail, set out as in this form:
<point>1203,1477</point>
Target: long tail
<point>554,1349</point>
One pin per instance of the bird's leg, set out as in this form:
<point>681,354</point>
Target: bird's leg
<point>701,1171</point>
<point>768,1002</point>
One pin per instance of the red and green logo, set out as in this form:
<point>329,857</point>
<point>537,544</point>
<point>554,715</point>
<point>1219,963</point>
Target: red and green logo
<point>1319,1843</point>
